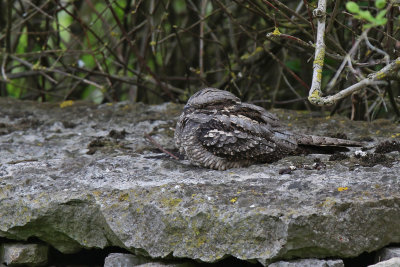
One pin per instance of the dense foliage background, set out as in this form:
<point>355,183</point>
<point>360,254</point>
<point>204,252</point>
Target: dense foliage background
<point>164,50</point>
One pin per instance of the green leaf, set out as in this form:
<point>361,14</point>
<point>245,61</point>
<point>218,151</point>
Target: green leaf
<point>88,61</point>
<point>352,7</point>
<point>179,6</point>
<point>294,65</point>
<point>380,3</point>
<point>366,15</point>
<point>381,14</point>
<point>369,25</point>
<point>380,22</point>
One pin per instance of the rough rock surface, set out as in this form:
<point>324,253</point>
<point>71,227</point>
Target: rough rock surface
<point>308,263</point>
<point>388,253</point>
<point>393,262</point>
<point>129,260</point>
<point>161,264</point>
<point>84,176</point>
<point>123,260</point>
<point>23,254</point>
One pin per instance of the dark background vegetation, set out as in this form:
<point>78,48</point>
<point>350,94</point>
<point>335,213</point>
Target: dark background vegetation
<point>164,50</point>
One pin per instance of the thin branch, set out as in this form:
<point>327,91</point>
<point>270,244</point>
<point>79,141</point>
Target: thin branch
<point>8,29</point>
<point>289,10</point>
<point>31,66</point>
<point>301,28</point>
<point>201,38</point>
<point>295,92</point>
<point>298,41</point>
<point>320,14</point>
<point>386,56</point>
<point>3,68</point>
<point>370,80</point>
<point>347,60</point>
<point>286,68</point>
<point>309,15</point>
<point>136,52</point>
<point>391,99</point>
<point>333,16</point>
<point>43,71</point>
<point>159,146</point>
<point>315,94</point>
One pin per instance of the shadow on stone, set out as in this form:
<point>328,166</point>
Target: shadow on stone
<point>87,257</point>
<point>365,259</point>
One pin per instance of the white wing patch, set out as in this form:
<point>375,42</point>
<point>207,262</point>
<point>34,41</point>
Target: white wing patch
<point>215,132</point>
<point>219,138</point>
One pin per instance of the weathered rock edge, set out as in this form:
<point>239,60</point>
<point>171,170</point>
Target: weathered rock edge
<point>128,196</point>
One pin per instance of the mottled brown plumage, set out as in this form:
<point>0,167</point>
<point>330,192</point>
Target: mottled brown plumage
<point>216,130</point>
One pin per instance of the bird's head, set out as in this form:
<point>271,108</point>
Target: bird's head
<point>211,97</point>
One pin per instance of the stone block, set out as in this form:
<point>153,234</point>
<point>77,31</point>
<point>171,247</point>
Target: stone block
<point>127,195</point>
<point>388,253</point>
<point>393,262</point>
<point>123,260</point>
<point>308,263</point>
<point>14,254</point>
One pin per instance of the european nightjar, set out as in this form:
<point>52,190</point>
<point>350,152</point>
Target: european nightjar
<point>216,130</point>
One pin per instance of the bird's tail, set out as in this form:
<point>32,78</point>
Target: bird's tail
<point>314,140</point>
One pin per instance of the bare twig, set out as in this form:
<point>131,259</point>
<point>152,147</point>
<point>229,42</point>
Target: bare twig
<point>347,60</point>
<point>292,12</point>
<point>136,52</point>
<point>370,80</point>
<point>320,14</point>
<point>201,39</point>
<point>315,94</point>
<point>297,94</point>
<point>3,68</point>
<point>287,69</point>
<point>309,15</point>
<point>284,7</point>
<point>333,16</point>
<point>301,43</point>
<point>392,100</point>
<point>159,146</point>
<point>32,67</point>
<point>386,56</point>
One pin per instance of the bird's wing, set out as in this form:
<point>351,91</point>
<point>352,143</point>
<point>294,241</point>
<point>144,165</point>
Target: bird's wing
<point>238,137</point>
<point>260,121</point>
<point>259,114</point>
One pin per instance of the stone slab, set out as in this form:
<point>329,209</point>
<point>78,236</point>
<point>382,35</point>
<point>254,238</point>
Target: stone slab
<point>393,262</point>
<point>123,260</point>
<point>85,176</point>
<point>388,253</point>
<point>308,263</point>
<point>15,254</point>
